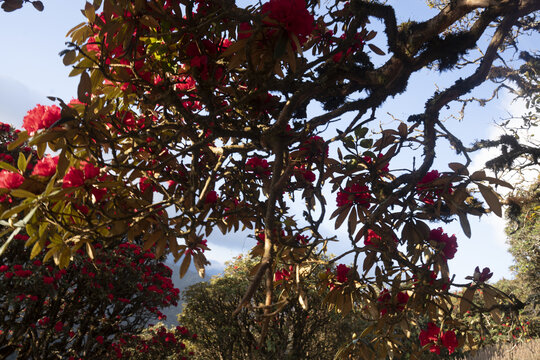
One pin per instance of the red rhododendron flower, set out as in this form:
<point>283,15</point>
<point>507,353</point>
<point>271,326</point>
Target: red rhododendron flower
<point>292,15</point>
<point>434,336</point>
<point>402,299</point>
<point>450,242</point>
<point>48,280</point>
<point>369,161</point>
<point>386,304</point>
<point>383,300</point>
<point>258,166</point>
<point>244,31</point>
<point>431,335</point>
<point>211,197</point>
<point>6,158</point>
<point>358,44</point>
<point>73,178</point>
<point>342,272</point>
<point>313,148</point>
<point>41,117</point>
<point>99,339</point>
<point>46,166</point>
<point>282,274</point>
<point>429,193</point>
<point>10,180</point>
<point>372,238</point>
<point>90,171</point>
<point>449,340</point>
<point>58,326</point>
<point>306,174</point>
<point>43,321</point>
<point>354,194</point>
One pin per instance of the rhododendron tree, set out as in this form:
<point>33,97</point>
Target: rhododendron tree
<point>307,331</point>
<point>93,307</point>
<point>86,309</point>
<point>197,118</point>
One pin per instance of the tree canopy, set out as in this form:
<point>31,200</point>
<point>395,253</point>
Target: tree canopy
<point>195,118</point>
<point>297,331</point>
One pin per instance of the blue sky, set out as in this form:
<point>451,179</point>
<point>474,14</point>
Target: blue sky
<point>31,69</point>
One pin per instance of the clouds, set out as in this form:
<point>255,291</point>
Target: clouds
<point>15,100</point>
<point>513,110</point>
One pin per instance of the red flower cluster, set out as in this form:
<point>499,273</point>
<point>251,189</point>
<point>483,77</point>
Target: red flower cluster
<point>258,166</point>
<point>449,242</point>
<point>10,180</point>
<point>46,167</point>
<point>428,192</point>
<point>312,149</point>
<point>358,44</point>
<point>434,337</point>
<point>387,304</point>
<point>292,15</point>
<point>75,177</point>
<point>354,194</point>
<point>342,273</point>
<point>372,238</point>
<point>370,162</point>
<point>7,158</point>
<point>304,175</point>
<point>41,117</point>
<point>283,274</point>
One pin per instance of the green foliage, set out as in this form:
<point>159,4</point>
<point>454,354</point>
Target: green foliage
<point>294,332</point>
<point>523,231</point>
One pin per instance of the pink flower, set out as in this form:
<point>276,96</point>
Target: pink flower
<point>41,117</point>
<point>10,180</point>
<point>4,268</point>
<point>46,167</point>
<point>354,194</point>
<point>73,178</point>
<point>342,272</point>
